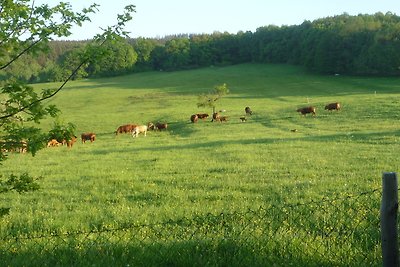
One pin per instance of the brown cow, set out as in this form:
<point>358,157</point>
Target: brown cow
<point>161,126</point>
<point>223,118</point>
<point>306,110</point>
<point>333,106</point>
<point>88,136</point>
<point>202,116</point>
<point>248,111</point>
<point>53,143</point>
<point>216,116</point>
<point>127,128</point>
<point>194,118</point>
<point>71,141</point>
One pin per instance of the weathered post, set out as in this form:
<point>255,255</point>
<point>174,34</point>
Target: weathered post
<point>389,209</point>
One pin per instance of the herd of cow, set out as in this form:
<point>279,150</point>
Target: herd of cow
<point>312,109</point>
<point>135,129</point>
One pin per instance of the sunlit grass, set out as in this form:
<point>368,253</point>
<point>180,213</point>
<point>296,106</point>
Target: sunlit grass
<point>203,168</point>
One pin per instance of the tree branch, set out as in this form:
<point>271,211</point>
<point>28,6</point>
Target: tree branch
<point>20,26</point>
<point>52,94</point>
<point>20,54</point>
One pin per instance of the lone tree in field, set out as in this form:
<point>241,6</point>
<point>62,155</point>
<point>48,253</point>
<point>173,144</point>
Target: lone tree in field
<point>27,29</point>
<point>210,99</point>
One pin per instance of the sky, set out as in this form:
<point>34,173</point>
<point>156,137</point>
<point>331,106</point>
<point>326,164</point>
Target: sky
<point>159,18</point>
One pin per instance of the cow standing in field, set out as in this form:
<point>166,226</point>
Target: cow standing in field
<point>139,129</point>
<point>161,126</point>
<point>248,111</point>
<point>70,142</point>
<point>127,128</point>
<point>306,110</point>
<point>151,126</point>
<point>333,106</point>
<point>202,116</point>
<point>216,117</point>
<point>223,118</point>
<point>14,146</point>
<point>88,137</point>
<point>194,118</point>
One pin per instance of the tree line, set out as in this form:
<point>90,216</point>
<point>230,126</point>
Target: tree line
<point>353,45</point>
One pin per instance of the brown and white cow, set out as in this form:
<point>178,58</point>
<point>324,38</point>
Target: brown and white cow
<point>139,129</point>
<point>333,106</point>
<point>88,137</point>
<point>194,118</point>
<point>14,146</point>
<point>306,110</point>
<point>151,126</point>
<point>127,128</point>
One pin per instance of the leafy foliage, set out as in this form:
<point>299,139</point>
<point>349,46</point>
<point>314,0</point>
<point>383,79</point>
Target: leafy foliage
<point>21,184</point>
<point>25,31</point>
<point>62,132</point>
<point>210,99</point>
<point>356,45</point>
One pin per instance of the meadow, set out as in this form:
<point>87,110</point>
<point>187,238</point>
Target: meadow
<point>194,169</point>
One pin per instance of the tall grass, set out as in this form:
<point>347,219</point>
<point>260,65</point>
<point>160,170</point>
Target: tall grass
<point>206,168</point>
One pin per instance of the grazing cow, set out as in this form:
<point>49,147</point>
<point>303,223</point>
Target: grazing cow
<point>223,118</point>
<point>139,129</point>
<point>24,147</point>
<point>333,106</point>
<point>248,111</point>
<point>216,116</point>
<point>194,118</point>
<point>243,119</point>
<point>70,142</point>
<point>127,128</point>
<point>202,116</point>
<point>151,126</point>
<point>161,126</point>
<point>53,143</point>
<point>306,110</point>
<point>88,136</point>
<point>14,146</point>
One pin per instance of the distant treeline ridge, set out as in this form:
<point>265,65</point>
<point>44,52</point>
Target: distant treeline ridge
<point>344,44</point>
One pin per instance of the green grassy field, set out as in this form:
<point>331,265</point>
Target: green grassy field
<point>207,168</point>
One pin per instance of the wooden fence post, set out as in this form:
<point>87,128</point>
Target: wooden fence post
<point>389,209</point>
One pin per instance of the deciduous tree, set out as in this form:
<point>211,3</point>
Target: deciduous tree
<point>210,99</point>
<point>26,29</point>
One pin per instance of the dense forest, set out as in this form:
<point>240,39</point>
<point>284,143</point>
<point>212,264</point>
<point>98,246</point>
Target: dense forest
<point>343,44</point>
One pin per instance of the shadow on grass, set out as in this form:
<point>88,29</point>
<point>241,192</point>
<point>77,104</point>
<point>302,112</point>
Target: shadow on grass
<point>181,128</point>
<point>366,138</point>
<point>184,253</point>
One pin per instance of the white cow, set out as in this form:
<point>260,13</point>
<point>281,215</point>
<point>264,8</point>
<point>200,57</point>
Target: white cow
<point>139,129</point>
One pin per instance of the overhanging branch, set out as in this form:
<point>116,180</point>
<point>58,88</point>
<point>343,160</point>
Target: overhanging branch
<point>52,94</point>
